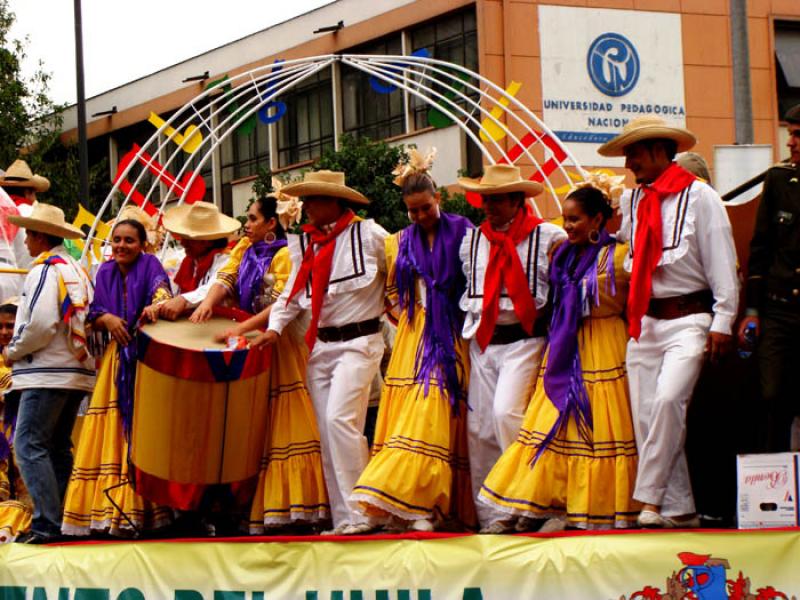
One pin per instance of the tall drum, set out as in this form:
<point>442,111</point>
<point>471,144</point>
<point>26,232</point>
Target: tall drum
<point>200,411</point>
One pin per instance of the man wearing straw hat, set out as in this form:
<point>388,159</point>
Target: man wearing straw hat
<point>345,296</point>
<point>203,231</point>
<point>51,367</point>
<point>506,262</point>
<point>681,306</point>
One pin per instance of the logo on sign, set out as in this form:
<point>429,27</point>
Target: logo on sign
<point>613,64</point>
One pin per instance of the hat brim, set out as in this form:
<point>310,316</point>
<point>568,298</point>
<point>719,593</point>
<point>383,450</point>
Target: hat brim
<point>685,139</point>
<point>66,231</point>
<point>322,188</point>
<point>37,182</point>
<point>174,221</point>
<point>529,188</point>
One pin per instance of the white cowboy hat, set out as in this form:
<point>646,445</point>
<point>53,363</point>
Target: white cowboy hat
<point>501,179</point>
<point>49,219</point>
<point>199,221</point>
<point>19,174</point>
<point>325,183</point>
<point>647,128</point>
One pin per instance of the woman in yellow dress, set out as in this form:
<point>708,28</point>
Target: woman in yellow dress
<point>291,488</point>
<point>418,475</point>
<point>99,495</point>
<point>574,460</point>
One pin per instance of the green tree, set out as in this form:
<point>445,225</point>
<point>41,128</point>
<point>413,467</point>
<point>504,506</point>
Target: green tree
<point>31,123</point>
<point>368,167</point>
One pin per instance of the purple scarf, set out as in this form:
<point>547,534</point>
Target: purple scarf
<point>126,296</point>
<point>440,269</point>
<point>255,262</point>
<point>570,275</point>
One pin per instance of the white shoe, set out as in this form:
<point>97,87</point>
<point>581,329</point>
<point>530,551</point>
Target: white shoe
<point>553,525</point>
<point>421,525</point>
<point>336,530</point>
<point>358,529</point>
<point>652,519</point>
<point>498,527</point>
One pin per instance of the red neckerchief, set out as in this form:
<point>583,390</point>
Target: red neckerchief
<point>191,272</point>
<point>505,269</point>
<point>649,241</point>
<point>321,263</point>
<point>20,200</point>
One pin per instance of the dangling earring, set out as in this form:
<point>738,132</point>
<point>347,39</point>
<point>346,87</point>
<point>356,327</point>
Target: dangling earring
<point>270,237</point>
<point>594,236</point>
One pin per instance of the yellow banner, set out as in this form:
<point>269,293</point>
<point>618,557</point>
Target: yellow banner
<point>657,566</point>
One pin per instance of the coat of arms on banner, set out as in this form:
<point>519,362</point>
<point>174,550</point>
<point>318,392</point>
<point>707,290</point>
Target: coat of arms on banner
<point>703,577</point>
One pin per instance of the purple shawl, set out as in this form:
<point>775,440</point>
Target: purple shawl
<point>440,269</point>
<point>126,296</point>
<point>573,279</point>
<point>255,262</point>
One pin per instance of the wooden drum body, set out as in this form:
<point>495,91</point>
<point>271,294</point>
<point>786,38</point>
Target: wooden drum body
<point>200,411</point>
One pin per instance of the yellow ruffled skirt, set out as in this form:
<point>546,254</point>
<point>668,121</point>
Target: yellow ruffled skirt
<point>419,467</point>
<point>15,518</point>
<point>291,485</point>
<point>98,492</point>
<point>591,485</point>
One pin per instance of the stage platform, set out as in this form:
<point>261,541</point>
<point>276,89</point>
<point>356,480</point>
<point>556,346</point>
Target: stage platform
<point>642,565</point>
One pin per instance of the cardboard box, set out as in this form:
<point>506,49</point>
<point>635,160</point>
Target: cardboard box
<point>768,490</point>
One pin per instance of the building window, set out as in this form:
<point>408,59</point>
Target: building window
<point>366,112</point>
<point>787,56</point>
<point>306,129</point>
<point>453,38</point>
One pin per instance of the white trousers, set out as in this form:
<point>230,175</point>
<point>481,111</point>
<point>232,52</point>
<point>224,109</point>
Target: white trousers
<point>339,379</point>
<point>501,383</point>
<point>663,368</point>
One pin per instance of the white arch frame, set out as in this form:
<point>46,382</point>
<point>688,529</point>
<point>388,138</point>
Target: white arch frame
<point>416,75</point>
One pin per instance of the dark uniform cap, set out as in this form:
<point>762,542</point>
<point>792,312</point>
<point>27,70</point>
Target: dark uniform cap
<point>793,115</point>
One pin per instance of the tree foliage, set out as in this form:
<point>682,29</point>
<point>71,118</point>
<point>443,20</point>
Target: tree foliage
<point>30,126</point>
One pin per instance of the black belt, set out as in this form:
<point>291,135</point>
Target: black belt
<point>676,307</point>
<point>349,331</point>
<point>508,334</point>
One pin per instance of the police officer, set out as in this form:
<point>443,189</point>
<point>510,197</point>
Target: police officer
<point>773,291</point>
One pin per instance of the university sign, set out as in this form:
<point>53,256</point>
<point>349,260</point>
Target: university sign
<point>601,68</point>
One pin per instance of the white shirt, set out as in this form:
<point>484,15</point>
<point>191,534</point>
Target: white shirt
<point>534,252</point>
<point>698,249</point>
<point>40,348</point>
<point>356,288</point>
<point>199,294</point>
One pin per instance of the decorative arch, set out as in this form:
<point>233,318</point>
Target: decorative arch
<point>464,97</point>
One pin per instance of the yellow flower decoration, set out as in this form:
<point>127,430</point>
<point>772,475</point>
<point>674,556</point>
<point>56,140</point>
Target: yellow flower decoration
<point>611,186</point>
<point>289,208</point>
<point>416,164</point>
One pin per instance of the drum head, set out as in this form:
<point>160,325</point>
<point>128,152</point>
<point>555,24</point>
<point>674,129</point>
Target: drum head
<point>190,336</point>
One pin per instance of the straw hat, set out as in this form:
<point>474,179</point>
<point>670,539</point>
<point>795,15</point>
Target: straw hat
<point>19,174</point>
<point>199,221</point>
<point>49,219</point>
<point>325,183</point>
<point>501,179</point>
<point>647,128</point>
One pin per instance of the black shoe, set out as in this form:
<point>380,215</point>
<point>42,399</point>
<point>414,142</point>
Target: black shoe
<point>31,537</point>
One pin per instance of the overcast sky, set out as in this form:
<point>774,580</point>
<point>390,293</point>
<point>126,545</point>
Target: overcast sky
<point>123,41</point>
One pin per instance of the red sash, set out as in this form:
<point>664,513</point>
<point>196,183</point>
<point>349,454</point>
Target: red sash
<point>505,269</point>
<point>321,263</point>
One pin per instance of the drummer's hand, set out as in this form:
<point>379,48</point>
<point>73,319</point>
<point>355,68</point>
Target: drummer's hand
<point>228,333</point>
<point>150,313</point>
<point>202,313</point>
<point>172,308</point>
<point>117,328</point>
<point>265,339</point>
